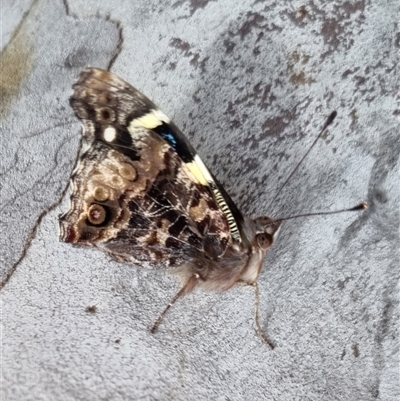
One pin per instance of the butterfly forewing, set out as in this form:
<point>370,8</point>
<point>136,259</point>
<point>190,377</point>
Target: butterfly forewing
<point>135,192</point>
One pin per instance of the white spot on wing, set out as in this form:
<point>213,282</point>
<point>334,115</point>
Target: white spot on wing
<point>109,134</point>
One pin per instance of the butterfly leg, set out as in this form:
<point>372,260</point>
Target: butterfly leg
<point>263,337</point>
<point>190,283</point>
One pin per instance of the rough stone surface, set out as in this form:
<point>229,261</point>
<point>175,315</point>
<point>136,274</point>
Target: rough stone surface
<point>250,83</point>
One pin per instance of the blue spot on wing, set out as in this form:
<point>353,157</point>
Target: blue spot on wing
<point>169,137</point>
<point>176,140</point>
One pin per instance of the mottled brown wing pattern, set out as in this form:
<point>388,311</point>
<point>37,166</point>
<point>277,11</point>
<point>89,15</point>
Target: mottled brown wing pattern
<point>133,196</point>
<point>141,193</point>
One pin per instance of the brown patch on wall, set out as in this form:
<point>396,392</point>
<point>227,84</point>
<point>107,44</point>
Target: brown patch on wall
<point>331,31</point>
<point>294,63</point>
<point>15,65</point>
<point>301,79</point>
<point>91,309</point>
<point>299,15</point>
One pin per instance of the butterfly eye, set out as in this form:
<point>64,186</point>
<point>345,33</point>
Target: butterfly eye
<point>128,172</point>
<point>264,240</point>
<point>101,194</point>
<point>96,214</point>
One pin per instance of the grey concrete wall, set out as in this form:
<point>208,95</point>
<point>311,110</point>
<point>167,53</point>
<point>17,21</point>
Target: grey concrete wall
<point>250,84</point>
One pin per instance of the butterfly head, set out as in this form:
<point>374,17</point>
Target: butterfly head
<point>262,231</point>
<point>266,230</point>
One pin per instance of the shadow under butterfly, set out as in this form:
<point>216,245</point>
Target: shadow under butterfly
<point>142,194</point>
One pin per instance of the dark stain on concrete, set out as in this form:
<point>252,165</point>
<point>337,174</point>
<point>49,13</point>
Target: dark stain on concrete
<point>354,119</point>
<point>194,5</point>
<point>356,351</point>
<point>342,283</point>
<point>186,50</point>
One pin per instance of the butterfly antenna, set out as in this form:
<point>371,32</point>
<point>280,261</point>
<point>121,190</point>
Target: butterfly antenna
<point>173,300</point>
<point>328,122</point>
<point>361,206</point>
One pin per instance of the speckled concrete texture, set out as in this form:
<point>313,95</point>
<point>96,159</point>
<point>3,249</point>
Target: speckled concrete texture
<point>250,83</point>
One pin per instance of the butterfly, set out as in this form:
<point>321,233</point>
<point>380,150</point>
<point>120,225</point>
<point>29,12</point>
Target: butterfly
<point>141,193</point>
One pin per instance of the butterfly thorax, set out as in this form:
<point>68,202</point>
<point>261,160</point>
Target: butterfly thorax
<point>239,263</point>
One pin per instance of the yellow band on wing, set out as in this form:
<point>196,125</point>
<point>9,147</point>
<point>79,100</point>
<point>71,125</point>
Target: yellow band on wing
<point>150,120</point>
